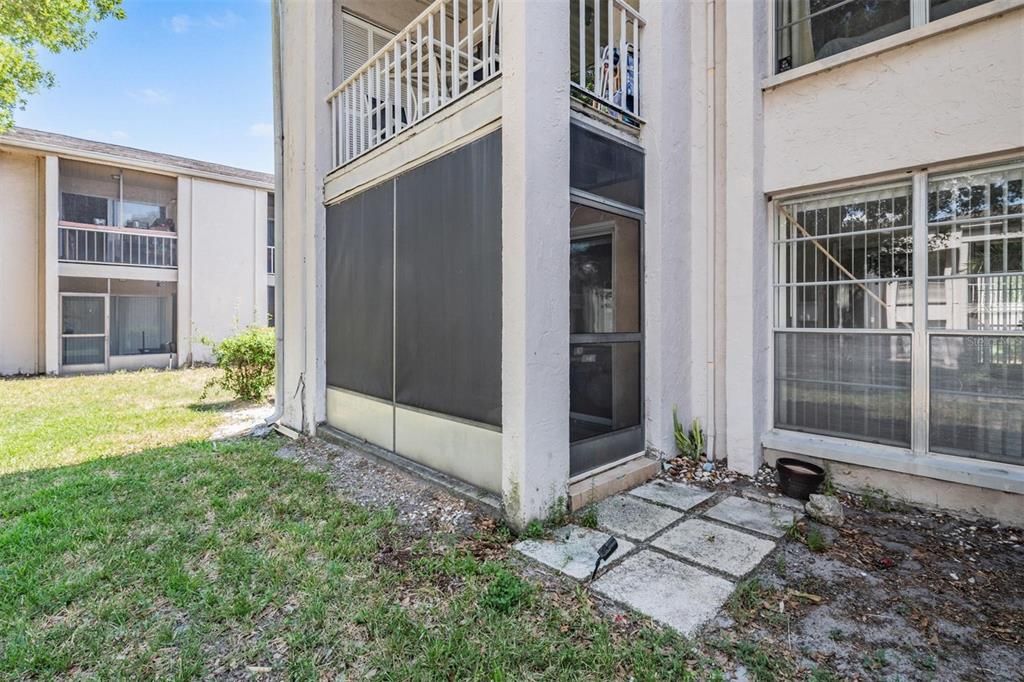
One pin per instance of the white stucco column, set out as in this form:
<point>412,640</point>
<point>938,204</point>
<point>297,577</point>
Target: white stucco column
<point>259,274</point>
<point>49,270</point>
<point>305,82</point>
<point>747,259</point>
<point>675,297</point>
<point>535,258</point>
<point>184,227</point>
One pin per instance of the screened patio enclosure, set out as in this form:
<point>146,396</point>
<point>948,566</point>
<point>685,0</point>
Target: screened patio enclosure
<point>116,324</point>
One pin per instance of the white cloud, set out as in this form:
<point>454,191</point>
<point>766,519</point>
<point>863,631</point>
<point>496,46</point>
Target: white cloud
<point>118,135</point>
<point>225,20</point>
<point>261,130</point>
<point>180,23</point>
<point>150,96</point>
<point>183,23</point>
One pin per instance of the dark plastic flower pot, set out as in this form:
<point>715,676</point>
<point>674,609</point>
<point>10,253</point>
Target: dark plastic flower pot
<point>798,479</point>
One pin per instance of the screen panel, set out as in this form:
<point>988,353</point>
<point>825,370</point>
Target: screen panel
<point>448,284</point>
<point>360,239</point>
<point>602,166</point>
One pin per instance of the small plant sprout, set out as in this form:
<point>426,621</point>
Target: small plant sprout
<point>588,518</point>
<point>690,442</point>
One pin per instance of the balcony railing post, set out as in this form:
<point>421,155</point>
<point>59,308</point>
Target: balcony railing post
<point>485,39</point>
<point>457,54</point>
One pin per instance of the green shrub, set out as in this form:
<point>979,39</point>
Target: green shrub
<point>247,361</point>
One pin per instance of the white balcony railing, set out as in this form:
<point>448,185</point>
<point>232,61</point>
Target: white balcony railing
<point>445,53</point>
<point>605,69</point>
<point>116,246</point>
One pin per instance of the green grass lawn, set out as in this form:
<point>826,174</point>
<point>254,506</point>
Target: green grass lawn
<point>56,421</point>
<point>132,547</point>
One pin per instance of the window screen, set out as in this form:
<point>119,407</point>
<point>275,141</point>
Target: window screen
<point>844,262</point>
<point>976,286</point>
<point>141,324</point>
<point>359,257</point>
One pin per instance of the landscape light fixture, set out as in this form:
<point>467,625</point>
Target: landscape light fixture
<point>606,550</point>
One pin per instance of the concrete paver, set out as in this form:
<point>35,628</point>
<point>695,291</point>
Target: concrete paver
<point>633,517</point>
<point>669,591</point>
<point>677,495</point>
<point>662,515</point>
<point>731,551</point>
<point>755,516</point>
<point>572,551</point>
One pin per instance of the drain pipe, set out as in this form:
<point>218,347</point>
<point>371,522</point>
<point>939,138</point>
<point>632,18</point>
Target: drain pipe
<point>279,318</point>
<point>712,196</point>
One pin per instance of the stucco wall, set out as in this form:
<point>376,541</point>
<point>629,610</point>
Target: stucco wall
<point>19,263</point>
<point>223,255</point>
<point>949,96</point>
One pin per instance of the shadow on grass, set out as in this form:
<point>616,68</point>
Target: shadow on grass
<point>217,406</point>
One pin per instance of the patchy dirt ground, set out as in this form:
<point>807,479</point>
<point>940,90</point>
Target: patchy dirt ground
<point>896,593</point>
<point>417,504</point>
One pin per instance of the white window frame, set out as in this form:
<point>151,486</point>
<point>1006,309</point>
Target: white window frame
<point>919,458</point>
<point>924,28</point>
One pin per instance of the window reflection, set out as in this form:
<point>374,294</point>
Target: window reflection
<point>808,30</point>
<point>604,388</point>
<point>976,251</point>
<point>977,397</point>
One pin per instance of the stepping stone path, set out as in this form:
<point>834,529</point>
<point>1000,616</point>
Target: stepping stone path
<point>681,549</point>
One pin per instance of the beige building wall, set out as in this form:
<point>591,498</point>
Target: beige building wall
<point>723,137</point>
<point>223,262</point>
<point>221,277</point>
<point>947,96</point>
<point>19,263</point>
<point>948,93</point>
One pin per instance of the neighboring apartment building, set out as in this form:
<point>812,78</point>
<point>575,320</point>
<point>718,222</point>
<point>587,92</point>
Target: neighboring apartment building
<point>118,258</point>
<point>519,234</point>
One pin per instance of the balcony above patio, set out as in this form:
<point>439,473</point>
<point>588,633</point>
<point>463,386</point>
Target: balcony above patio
<point>450,57</point>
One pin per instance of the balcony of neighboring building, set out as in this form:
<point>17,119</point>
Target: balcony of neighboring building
<point>448,59</point>
<point>110,216</point>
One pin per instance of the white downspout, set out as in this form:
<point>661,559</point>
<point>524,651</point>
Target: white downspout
<point>279,317</point>
<point>711,126</point>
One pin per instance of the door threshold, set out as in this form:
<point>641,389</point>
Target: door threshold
<point>605,467</point>
<point>615,478</point>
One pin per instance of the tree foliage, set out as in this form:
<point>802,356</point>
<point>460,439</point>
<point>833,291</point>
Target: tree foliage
<point>54,25</point>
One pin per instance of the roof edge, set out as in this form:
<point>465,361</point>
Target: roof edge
<point>40,140</point>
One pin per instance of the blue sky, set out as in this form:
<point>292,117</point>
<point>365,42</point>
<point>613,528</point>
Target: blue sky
<point>186,77</point>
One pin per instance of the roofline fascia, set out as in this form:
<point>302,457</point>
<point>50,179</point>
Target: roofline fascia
<point>133,164</point>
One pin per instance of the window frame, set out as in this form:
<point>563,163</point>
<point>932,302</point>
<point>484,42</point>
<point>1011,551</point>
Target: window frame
<point>921,27</point>
<point>921,335</point>
<point>116,208</point>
